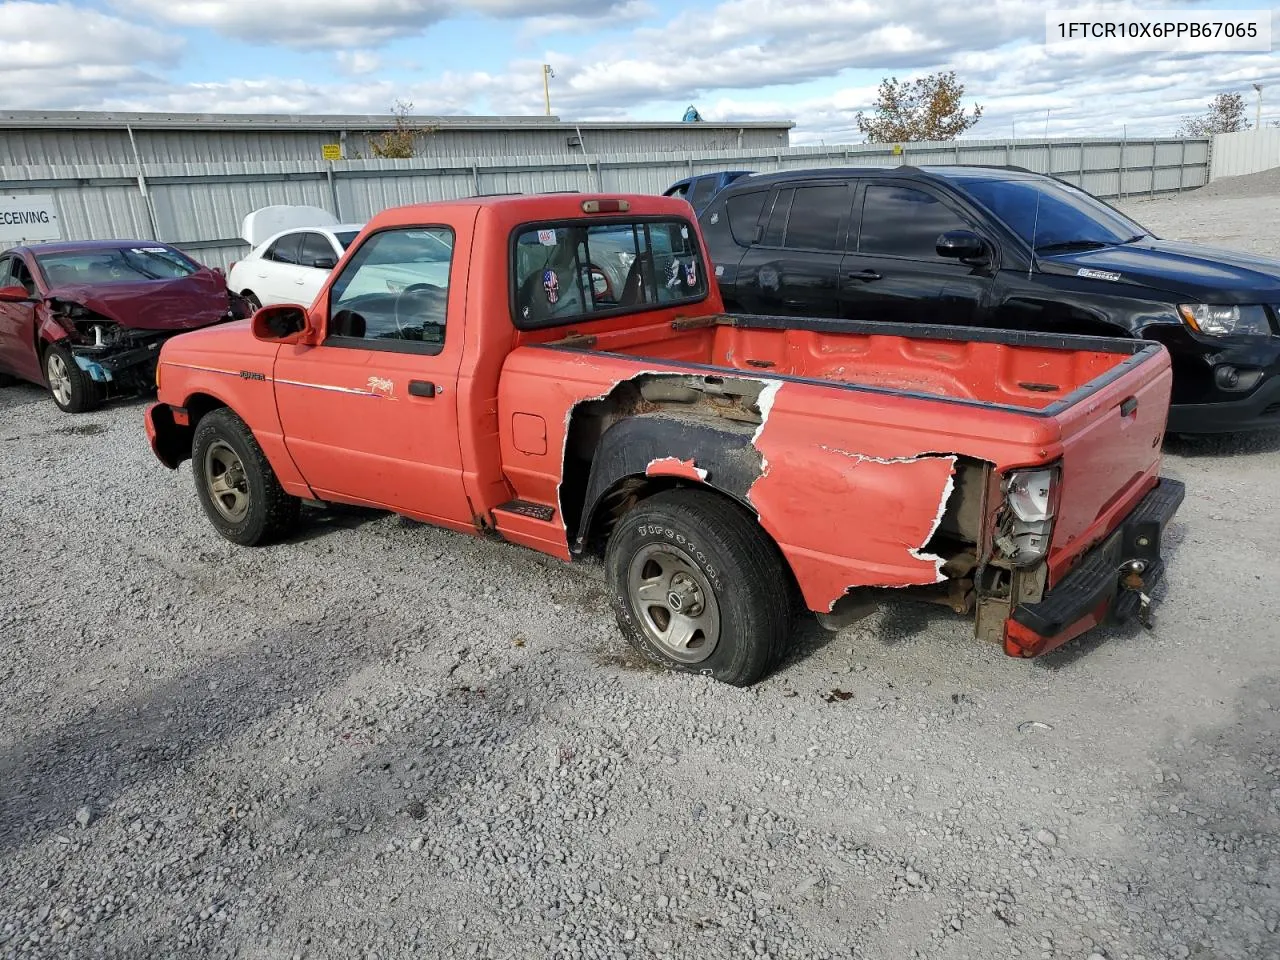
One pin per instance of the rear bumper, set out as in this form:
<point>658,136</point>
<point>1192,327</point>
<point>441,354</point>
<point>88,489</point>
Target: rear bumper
<point>1092,593</point>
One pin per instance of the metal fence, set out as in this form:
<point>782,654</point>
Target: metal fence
<point>1250,151</point>
<point>199,206</point>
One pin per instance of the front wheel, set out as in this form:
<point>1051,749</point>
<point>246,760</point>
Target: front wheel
<point>236,485</point>
<point>697,586</point>
<point>73,390</point>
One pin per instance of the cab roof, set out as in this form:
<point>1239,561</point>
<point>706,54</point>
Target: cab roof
<point>517,208</point>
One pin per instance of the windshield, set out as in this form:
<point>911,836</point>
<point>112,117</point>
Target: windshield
<point>1049,215</point>
<point>120,265</point>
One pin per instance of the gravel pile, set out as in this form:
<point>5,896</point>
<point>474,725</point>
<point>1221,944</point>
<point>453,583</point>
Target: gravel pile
<point>1234,212</point>
<point>384,740</point>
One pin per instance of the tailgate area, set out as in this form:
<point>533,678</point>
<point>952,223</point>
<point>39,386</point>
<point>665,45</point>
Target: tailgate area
<point>1111,438</point>
<point>1095,590</point>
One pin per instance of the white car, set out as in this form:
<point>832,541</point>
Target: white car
<point>294,250</point>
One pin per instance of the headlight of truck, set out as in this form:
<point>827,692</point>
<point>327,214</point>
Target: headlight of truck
<point>1226,321</point>
<point>1031,497</point>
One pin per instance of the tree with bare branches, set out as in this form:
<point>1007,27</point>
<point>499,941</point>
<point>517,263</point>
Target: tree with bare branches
<point>1226,114</point>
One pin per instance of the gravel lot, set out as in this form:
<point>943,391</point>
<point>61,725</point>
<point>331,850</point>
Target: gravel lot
<point>381,740</point>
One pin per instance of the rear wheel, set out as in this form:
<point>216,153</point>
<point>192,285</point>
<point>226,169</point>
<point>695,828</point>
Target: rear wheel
<point>697,586</point>
<point>73,390</point>
<point>237,487</point>
<point>251,301</point>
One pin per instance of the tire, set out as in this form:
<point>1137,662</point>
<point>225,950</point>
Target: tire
<point>251,301</point>
<point>696,551</point>
<point>71,388</point>
<point>250,507</point>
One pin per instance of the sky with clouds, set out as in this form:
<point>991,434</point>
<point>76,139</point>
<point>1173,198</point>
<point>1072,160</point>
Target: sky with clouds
<point>816,62</point>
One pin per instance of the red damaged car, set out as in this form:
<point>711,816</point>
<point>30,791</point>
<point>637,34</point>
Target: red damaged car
<point>87,319</point>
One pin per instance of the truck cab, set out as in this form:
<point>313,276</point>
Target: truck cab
<point>558,372</point>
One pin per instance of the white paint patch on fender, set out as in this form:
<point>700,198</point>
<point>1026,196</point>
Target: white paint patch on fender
<point>765,403</point>
<point>673,462</point>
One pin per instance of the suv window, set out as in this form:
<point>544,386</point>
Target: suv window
<point>704,188</point>
<point>315,246</point>
<point>816,214</point>
<point>904,222</point>
<point>1048,213</point>
<point>777,227</point>
<point>743,211</point>
<point>565,272</point>
<point>284,250</point>
<point>393,293</point>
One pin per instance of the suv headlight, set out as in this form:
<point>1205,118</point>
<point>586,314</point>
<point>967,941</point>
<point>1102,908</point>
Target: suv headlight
<point>1032,498</point>
<point>1226,321</point>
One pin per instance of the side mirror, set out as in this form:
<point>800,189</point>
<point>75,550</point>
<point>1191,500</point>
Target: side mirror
<point>961,245</point>
<point>280,323</point>
<point>324,263</point>
<point>14,294</point>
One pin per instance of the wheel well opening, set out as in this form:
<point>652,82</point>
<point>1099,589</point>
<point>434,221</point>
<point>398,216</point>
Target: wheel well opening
<point>175,439</point>
<point>630,491</point>
<point>199,406</point>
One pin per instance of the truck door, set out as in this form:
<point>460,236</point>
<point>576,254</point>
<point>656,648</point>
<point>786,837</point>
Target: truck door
<point>795,268</point>
<point>893,272</point>
<point>370,414</point>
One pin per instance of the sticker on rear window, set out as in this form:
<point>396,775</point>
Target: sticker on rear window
<point>150,250</point>
<point>684,232</point>
<point>547,238</point>
<point>1097,274</point>
<point>551,284</point>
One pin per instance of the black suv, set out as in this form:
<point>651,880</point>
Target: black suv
<point>1004,247</point>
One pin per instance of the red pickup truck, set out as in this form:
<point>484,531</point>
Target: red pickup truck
<point>558,372</point>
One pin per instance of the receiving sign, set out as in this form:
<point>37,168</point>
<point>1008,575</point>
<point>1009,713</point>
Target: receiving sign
<point>24,219</point>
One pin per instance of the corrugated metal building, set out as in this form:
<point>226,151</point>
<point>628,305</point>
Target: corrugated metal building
<point>60,137</point>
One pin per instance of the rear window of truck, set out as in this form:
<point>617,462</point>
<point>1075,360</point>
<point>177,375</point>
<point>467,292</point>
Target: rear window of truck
<point>572,271</point>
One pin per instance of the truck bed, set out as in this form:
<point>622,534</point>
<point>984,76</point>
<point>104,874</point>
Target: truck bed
<point>867,394</point>
<point>1004,367</point>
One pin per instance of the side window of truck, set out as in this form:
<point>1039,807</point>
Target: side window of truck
<point>393,293</point>
<point>904,222</point>
<point>567,272</point>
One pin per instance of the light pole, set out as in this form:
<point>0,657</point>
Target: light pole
<point>1258,117</point>
<point>547,74</point>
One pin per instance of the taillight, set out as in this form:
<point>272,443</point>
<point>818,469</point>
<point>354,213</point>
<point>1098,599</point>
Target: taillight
<point>1031,499</point>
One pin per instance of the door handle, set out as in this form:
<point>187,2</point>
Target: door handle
<point>422,388</point>
<point>865,276</point>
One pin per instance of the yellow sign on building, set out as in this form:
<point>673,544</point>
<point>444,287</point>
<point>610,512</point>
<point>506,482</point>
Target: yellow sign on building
<point>331,151</point>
